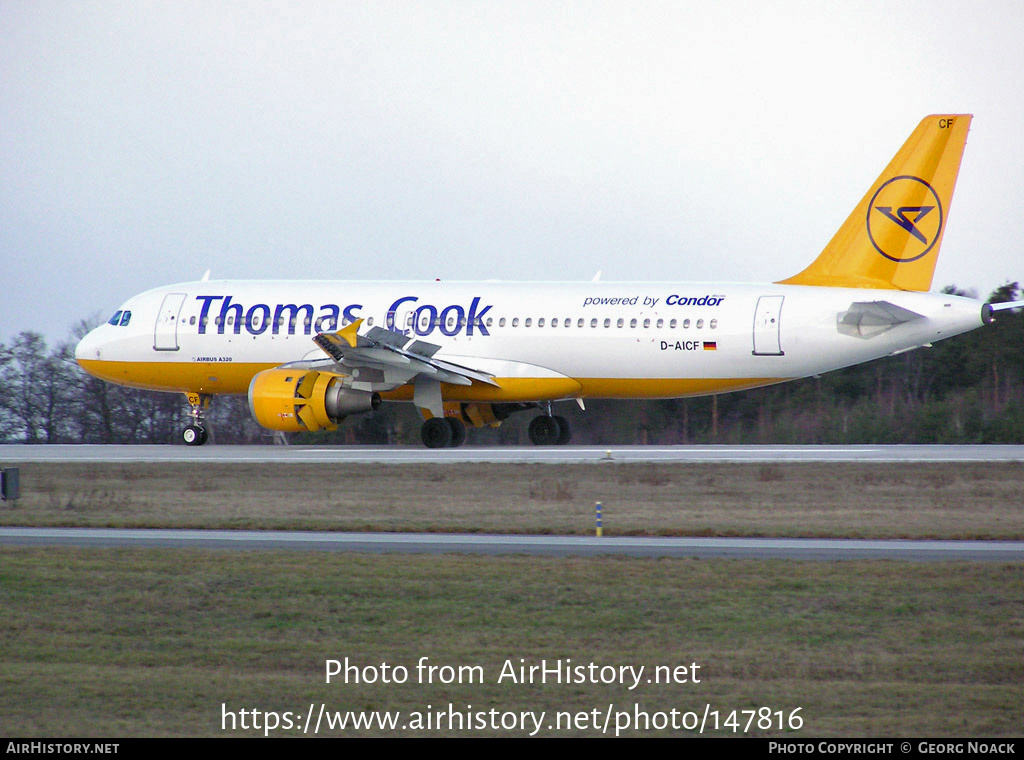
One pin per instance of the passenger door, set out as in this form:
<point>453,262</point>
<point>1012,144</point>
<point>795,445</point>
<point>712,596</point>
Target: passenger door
<point>768,326</point>
<point>165,336</point>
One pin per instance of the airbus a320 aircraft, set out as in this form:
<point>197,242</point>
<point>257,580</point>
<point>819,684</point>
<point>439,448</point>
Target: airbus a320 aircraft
<point>310,353</point>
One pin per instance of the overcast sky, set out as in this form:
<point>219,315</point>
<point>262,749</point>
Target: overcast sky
<point>142,143</point>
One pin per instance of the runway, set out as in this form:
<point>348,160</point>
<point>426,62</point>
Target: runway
<point>15,454</point>
<point>492,544</point>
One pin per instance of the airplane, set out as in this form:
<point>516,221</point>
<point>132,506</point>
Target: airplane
<point>310,353</point>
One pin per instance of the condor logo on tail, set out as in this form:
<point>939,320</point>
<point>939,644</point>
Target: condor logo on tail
<point>904,219</point>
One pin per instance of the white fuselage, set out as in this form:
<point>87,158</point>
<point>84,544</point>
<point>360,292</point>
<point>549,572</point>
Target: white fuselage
<point>540,341</point>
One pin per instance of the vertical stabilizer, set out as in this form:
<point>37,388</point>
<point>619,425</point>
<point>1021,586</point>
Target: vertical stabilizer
<point>892,238</point>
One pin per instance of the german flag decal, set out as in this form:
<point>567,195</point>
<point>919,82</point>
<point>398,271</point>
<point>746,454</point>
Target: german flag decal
<point>711,345</point>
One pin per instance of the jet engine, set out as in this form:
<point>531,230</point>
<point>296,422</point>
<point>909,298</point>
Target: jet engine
<point>295,400</point>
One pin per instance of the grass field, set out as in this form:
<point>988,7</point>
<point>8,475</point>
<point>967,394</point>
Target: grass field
<point>917,500</point>
<point>153,642</point>
<point>106,642</point>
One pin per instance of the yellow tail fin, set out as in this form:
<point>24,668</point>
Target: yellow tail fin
<point>892,238</point>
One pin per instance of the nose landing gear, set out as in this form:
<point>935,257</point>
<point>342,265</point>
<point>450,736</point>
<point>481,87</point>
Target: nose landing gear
<point>196,434</point>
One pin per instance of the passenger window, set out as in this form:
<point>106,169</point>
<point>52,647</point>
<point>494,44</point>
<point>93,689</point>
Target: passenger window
<point>632,323</point>
<point>607,322</point>
<point>540,322</point>
<point>661,323</point>
<point>515,321</point>
<point>490,321</point>
<point>501,322</point>
<point>620,322</point>
<point>686,324</point>
<point>369,322</point>
<point>527,322</point>
<point>647,323</point>
<point>672,324</point>
<point>593,322</point>
<point>713,324</point>
<point>191,320</point>
<point>700,323</point>
<point>554,322</point>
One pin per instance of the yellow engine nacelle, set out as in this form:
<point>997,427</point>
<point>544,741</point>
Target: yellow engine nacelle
<point>296,400</point>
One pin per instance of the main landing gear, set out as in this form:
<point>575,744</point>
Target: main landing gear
<point>549,431</point>
<point>196,434</point>
<point>443,433</point>
<point>450,432</point>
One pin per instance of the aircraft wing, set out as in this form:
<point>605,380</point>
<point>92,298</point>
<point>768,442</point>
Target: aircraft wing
<point>387,359</point>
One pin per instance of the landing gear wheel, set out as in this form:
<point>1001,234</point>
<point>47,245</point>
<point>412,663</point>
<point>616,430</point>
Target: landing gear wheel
<point>544,431</point>
<point>436,433</point>
<point>194,435</point>
<point>458,432</point>
<point>564,431</point>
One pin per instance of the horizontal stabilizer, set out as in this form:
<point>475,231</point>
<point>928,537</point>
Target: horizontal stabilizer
<point>1007,305</point>
<point>866,319</point>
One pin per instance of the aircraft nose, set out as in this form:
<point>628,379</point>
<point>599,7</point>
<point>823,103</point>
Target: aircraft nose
<point>89,347</point>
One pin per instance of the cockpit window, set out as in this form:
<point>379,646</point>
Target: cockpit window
<point>120,318</point>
